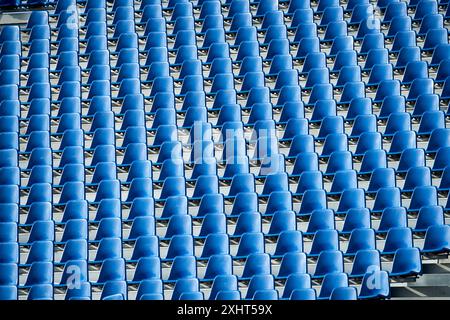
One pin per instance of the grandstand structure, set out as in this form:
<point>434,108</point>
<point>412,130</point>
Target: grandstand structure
<point>224,149</point>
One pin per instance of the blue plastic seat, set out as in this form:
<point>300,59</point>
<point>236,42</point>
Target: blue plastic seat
<point>108,248</point>
<point>324,240</point>
<point>398,237</point>
<point>297,5</point>
<point>424,103</point>
<point>292,263</point>
<point>387,197</point>
<point>296,281</point>
<point>183,267</point>
<point>248,222</point>
<point>344,293</point>
<point>321,220</point>
<point>369,291</point>
<point>334,141</point>
<point>259,282</point>
<point>407,262</point>
<point>282,221</point>
<point>213,223</point>
<point>365,261</point>
<point>9,275</point>
<point>439,138</point>
<point>313,200</point>
<point>81,293</point>
<point>397,121</point>
<point>41,292</point>
<point>436,239</point>
<point>303,294</point>
<point>40,273</point>
<point>215,243</point>
<point>329,262</point>
<point>361,239</point>
<point>392,217</point>
<point>332,281</point>
<point>256,264</point>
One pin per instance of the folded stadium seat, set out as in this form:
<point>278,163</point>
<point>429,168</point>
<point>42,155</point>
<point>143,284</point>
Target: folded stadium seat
<point>385,198</point>
<point>78,209</point>
<point>324,240</point>
<point>312,200</point>
<point>434,36</point>
<point>150,288</point>
<point>183,267</point>
<point>309,180</point>
<point>444,185</point>
<point>361,239</point>
<point>329,262</point>
<point>414,69</point>
<point>145,246</point>
<point>292,263</point>
<point>356,218</point>
<point>398,237</point>
<point>259,282</point>
<point>114,290</point>
<point>175,205</point>
<point>40,251</point>
<point>399,24</point>
<point>411,158</point>
<point>345,179</point>
<point>438,139</point>
<point>365,260</point>
<point>218,265</point>
<point>223,283</point>
<point>321,220</point>
<point>81,293</point>
<point>40,273</point>
<point>75,249</point>
<point>10,212</point>
<point>431,120</point>
<point>440,160</point>
<point>256,264</point>
<point>296,281</point>
<point>9,275</point>
<point>108,248</point>
<point>8,232</point>
<point>436,239</point>
<point>379,292</point>
<point>307,45</point>
<point>74,229</point>
<point>289,241</point>
<point>239,20</point>
<point>330,282</point>
<point>179,245</point>
<point>10,252</point>
<point>282,221</point>
<point>147,268</point>
<point>178,224</point>
<point>307,161</point>
<point>41,292</point>
<point>215,243</point>
<point>406,263</point>
<point>392,217</point>
<point>426,102</point>
<point>397,120</point>
<point>248,222</point>
<point>266,295</point>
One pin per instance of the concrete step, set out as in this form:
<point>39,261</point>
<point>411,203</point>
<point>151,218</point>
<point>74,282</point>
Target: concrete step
<point>433,284</point>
